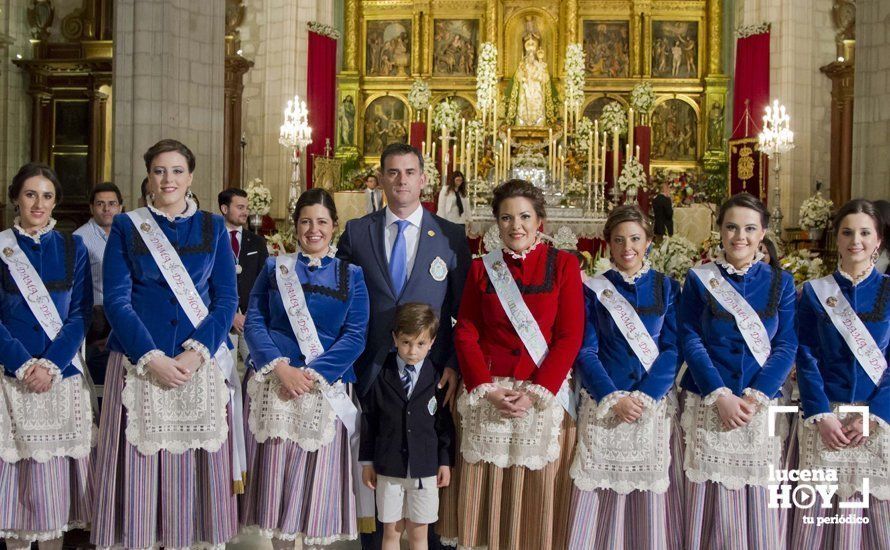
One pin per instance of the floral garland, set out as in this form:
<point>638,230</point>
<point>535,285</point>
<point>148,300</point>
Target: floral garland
<point>486,76</point>
<point>419,96</point>
<point>475,131</point>
<point>642,98</point>
<point>633,175</point>
<point>674,257</point>
<point>574,77</point>
<point>447,114</point>
<point>259,198</point>
<point>815,212</point>
<point>582,133</point>
<point>613,118</point>
<point>751,30</point>
<point>804,266</point>
<point>325,30</point>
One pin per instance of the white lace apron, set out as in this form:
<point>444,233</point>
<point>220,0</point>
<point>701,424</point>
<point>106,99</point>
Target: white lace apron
<point>42,426</point>
<point>531,441</point>
<point>308,420</point>
<point>871,459</point>
<point>734,458</point>
<point>613,454</point>
<point>192,416</point>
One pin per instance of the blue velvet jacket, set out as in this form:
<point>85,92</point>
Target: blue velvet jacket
<point>141,308</point>
<point>827,371</point>
<point>338,302</point>
<point>713,347</point>
<point>606,363</point>
<point>64,267</point>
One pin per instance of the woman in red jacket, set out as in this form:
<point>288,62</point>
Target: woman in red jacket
<point>519,329</point>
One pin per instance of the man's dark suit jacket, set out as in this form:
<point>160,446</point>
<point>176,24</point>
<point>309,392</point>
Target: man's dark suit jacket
<point>402,434</point>
<point>663,211</point>
<point>252,258</point>
<point>362,243</point>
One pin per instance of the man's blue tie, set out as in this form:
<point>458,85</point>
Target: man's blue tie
<point>398,259</point>
<point>406,379</point>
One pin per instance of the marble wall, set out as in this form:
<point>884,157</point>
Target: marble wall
<point>15,105</point>
<point>871,101</point>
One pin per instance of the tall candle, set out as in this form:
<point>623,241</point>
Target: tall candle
<point>615,146</point>
<point>494,118</point>
<point>596,146</point>
<point>429,124</point>
<point>565,117</point>
<point>638,153</point>
<point>423,148</point>
<point>627,152</point>
<point>602,176</point>
<point>589,156</point>
<point>460,146</point>
<point>475,159</point>
<point>630,128</point>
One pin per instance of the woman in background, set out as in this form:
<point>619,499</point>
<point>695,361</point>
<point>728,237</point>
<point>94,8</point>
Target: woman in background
<point>453,205</point>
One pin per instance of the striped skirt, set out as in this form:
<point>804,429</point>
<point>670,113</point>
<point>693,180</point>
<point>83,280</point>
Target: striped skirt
<point>293,493</point>
<point>170,500</point>
<point>605,519</point>
<point>40,501</point>
<point>515,508</point>
<point>814,527</point>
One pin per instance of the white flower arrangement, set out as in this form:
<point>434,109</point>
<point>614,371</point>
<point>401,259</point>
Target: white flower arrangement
<point>283,242</point>
<point>432,176</point>
<point>492,239</point>
<point>574,76</point>
<point>642,98</point>
<point>582,132</point>
<point>475,131</point>
<point>804,266</point>
<point>674,257</point>
<point>486,76</point>
<point>815,211</point>
<point>602,265</point>
<point>419,95</point>
<point>259,198</point>
<point>446,114</point>
<point>614,119</point>
<point>632,175</point>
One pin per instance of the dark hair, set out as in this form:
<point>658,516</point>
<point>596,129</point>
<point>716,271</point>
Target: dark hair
<point>518,188</point>
<point>167,146</point>
<point>144,188</point>
<point>462,190</point>
<point>773,253</point>
<point>225,196</point>
<point>397,150</point>
<point>744,200</point>
<point>30,170</point>
<point>859,206</point>
<point>884,208</point>
<point>626,213</point>
<point>314,196</point>
<point>372,175</point>
<point>414,318</point>
<point>106,187</point>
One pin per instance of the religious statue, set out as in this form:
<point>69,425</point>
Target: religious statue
<point>347,121</point>
<point>573,165</point>
<point>531,100</point>
<point>715,127</point>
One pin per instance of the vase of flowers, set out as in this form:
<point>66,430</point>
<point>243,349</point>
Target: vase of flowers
<point>674,257</point>
<point>632,178</point>
<point>259,201</point>
<point>815,211</point>
<point>419,95</point>
<point>642,98</point>
<point>613,118</point>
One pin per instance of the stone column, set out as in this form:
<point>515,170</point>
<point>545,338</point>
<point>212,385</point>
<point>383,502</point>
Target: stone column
<point>841,75</point>
<point>169,73</point>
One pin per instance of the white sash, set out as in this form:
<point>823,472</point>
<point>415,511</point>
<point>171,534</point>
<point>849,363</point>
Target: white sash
<point>746,319</point>
<point>851,327</point>
<point>32,288</point>
<point>303,326</point>
<point>180,282</point>
<point>626,319</point>
<point>521,318</point>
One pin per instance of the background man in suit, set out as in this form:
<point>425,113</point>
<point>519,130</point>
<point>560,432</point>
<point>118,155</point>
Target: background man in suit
<point>663,211</point>
<point>250,253</point>
<point>373,194</point>
<point>408,255</point>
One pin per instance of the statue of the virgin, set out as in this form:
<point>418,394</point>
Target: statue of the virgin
<point>531,100</point>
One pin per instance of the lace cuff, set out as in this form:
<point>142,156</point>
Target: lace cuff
<point>322,382</point>
<point>604,407</point>
<point>194,345</point>
<point>542,397</point>
<point>758,396</point>
<point>644,398</point>
<point>479,392</point>
<point>818,417</point>
<point>143,362</point>
<point>20,372</point>
<point>263,373</point>
<point>711,398</point>
<point>881,422</point>
<point>54,371</point>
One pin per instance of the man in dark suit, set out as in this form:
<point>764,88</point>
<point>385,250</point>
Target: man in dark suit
<point>408,255</point>
<point>663,212</point>
<point>250,253</point>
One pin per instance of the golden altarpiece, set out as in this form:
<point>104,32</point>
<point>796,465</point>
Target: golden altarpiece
<point>675,45</point>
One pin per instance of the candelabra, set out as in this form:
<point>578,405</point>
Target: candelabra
<point>295,134</point>
<point>775,140</point>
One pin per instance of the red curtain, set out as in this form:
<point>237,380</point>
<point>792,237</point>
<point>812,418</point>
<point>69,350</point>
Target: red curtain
<point>418,134</point>
<point>751,81</point>
<point>320,95</point>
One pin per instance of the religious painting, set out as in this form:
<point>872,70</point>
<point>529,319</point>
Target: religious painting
<point>467,110</point>
<point>346,121</point>
<point>675,49</point>
<point>454,47</point>
<point>594,109</point>
<point>386,121</point>
<point>607,47</point>
<point>674,131</point>
<point>388,48</point>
